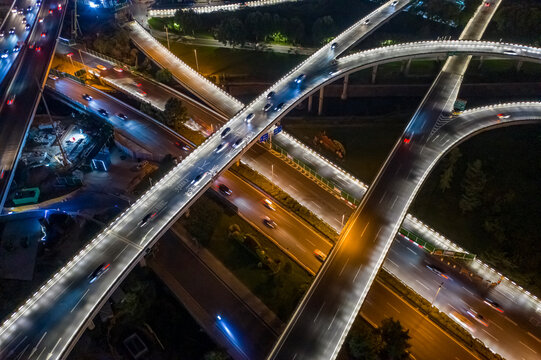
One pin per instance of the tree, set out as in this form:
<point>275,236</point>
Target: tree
<point>296,30</point>
<point>473,185</point>
<point>447,176</point>
<point>395,340</point>
<point>231,31</point>
<point>188,21</point>
<point>322,28</point>
<point>174,114</point>
<point>164,76</point>
<point>253,25</point>
<point>364,343</point>
<point>216,355</point>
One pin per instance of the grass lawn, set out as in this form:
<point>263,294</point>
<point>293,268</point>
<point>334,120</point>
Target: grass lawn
<point>236,63</point>
<point>281,291</point>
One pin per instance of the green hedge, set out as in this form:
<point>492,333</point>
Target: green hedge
<point>284,199</point>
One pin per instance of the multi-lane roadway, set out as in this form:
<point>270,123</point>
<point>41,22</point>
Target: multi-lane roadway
<point>23,92</point>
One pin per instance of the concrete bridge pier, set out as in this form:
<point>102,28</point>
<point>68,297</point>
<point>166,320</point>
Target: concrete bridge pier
<point>344,95</point>
<point>320,106</point>
<point>310,101</point>
<point>407,68</point>
<point>481,61</point>
<point>519,65</point>
<point>374,73</point>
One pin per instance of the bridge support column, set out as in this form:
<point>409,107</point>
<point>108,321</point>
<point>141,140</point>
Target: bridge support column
<point>320,106</point>
<point>407,69</point>
<point>344,95</point>
<point>91,325</point>
<point>519,65</point>
<point>310,101</point>
<point>374,73</point>
<point>481,61</point>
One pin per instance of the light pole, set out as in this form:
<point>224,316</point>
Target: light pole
<point>70,55</point>
<point>196,62</point>
<point>437,292</point>
<point>272,172</point>
<point>167,36</point>
<point>343,216</point>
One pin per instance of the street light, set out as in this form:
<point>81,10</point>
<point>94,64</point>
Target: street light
<point>196,62</point>
<point>437,292</point>
<point>70,55</point>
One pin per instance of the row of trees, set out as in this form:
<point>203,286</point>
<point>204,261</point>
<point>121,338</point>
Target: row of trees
<point>390,341</point>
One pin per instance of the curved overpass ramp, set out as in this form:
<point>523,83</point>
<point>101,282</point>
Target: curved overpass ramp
<point>53,318</point>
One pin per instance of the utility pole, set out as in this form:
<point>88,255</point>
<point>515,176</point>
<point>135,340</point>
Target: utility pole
<point>65,161</point>
<point>435,296</point>
<point>167,36</point>
<point>196,62</point>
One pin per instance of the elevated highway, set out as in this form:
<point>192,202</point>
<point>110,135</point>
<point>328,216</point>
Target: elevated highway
<point>24,90</point>
<point>54,317</point>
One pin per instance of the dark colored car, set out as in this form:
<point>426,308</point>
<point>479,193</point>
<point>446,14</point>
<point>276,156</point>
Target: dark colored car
<point>334,45</point>
<point>225,132</point>
<point>122,116</point>
<point>270,95</point>
<point>300,78</point>
<point>94,275</point>
<point>146,218</point>
<point>267,107</point>
<point>279,106</point>
<point>249,117</point>
<point>493,304</point>
<point>269,222</point>
<point>437,270</point>
<point>87,97</point>
<point>224,189</point>
<point>103,112</point>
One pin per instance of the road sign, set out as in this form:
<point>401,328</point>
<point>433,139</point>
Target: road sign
<point>264,137</point>
<point>277,129</point>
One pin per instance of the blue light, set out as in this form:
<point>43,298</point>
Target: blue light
<point>93,4</point>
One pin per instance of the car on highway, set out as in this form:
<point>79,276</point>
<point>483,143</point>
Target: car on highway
<point>279,106</point>
<point>182,146</point>
<point>320,255</point>
<point>14,10</point>
<point>53,77</point>
<point>16,48</point>
<point>394,3</point>
<point>121,116</point>
<point>43,34</point>
<point>503,116</point>
<point>141,93</point>
<point>2,34</point>
<point>510,52</point>
<point>11,31</point>
<point>147,218</point>
<point>477,317</point>
<point>11,99</point>
<point>462,320</point>
<point>29,8</point>
<point>226,131</point>
<point>269,205</point>
<point>267,107</point>
<point>117,69</point>
<point>221,147</point>
<point>237,143</point>
<point>270,95</point>
<point>95,275</point>
<point>27,27</point>
<point>50,11</point>
<point>269,222</point>
<point>103,112</point>
<point>334,45</point>
<point>493,304</point>
<point>87,97</point>
<point>23,20</point>
<point>40,20</point>
<point>38,48</point>
<point>366,22</point>
<point>224,189</point>
<point>20,11</point>
<point>101,67</point>
<point>249,117</point>
<point>437,270</point>
<point>487,3</point>
<point>5,54</point>
<point>300,78</point>
<point>198,178</point>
